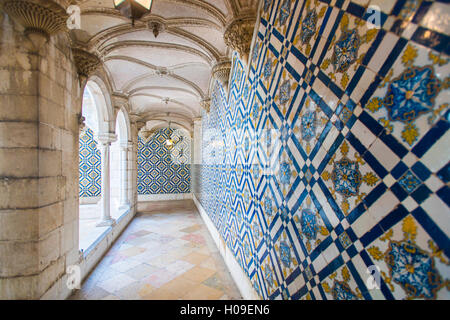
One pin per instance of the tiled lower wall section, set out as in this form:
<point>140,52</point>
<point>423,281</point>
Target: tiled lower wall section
<point>90,165</point>
<point>330,162</point>
<point>163,170</point>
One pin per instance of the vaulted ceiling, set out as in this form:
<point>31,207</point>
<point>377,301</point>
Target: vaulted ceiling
<point>167,73</point>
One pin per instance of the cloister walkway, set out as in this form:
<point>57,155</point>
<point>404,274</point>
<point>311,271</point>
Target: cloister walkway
<point>166,252</point>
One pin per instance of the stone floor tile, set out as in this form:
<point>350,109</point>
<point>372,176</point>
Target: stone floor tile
<point>145,290</point>
<point>158,279</point>
<point>191,228</point>
<point>161,294</point>
<point>209,263</point>
<point>132,251</point>
<point>111,297</point>
<point>179,266</point>
<point>180,286</point>
<point>125,265</point>
<point>214,282</point>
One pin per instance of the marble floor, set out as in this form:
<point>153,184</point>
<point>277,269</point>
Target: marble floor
<point>165,253</point>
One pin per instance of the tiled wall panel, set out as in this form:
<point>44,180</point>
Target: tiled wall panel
<point>331,160</point>
<point>163,170</point>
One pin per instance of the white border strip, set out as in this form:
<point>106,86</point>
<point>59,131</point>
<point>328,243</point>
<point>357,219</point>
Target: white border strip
<point>164,196</point>
<point>240,278</point>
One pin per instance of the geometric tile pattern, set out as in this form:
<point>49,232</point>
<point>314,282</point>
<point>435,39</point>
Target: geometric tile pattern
<point>326,169</point>
<point>161,169</point>
<point>90,165</point>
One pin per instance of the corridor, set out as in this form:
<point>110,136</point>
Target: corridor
<point>165,253</point>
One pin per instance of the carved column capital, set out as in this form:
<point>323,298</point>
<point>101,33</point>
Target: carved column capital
<point>206,104</point>
<point>40,18</point>
<point>221,71</point>
<point>238,35</point>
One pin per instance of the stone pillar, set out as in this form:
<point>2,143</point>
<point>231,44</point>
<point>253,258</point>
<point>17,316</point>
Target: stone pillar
<point>196,156</point>
<point>124,201</point>
<point>105,144</point>
<point>40,102</point>
<point>136,124</point>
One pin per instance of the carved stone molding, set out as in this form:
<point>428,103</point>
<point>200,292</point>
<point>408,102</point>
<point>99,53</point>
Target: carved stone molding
<point>206,104</point>
<point>41,19</point>
<point>85,62</point>
<point>221,71</point>
<point>238,36</point>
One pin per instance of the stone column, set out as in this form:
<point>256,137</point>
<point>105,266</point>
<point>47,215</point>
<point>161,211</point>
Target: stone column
<point>124,201</point>
<point>105,144</point>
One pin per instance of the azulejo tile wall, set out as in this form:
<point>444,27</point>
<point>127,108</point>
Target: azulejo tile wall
<point>162,169</point>
<point>326,170</point>
<point>89,166</point>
